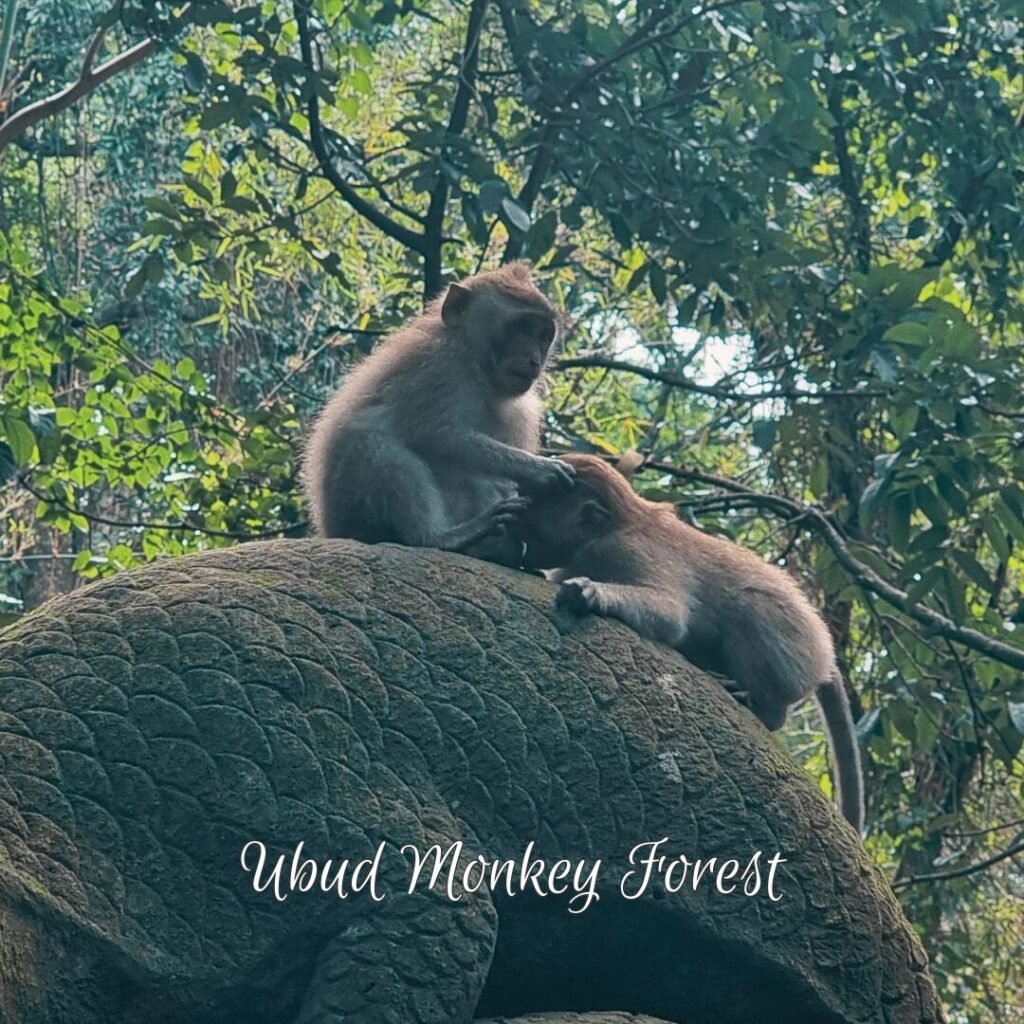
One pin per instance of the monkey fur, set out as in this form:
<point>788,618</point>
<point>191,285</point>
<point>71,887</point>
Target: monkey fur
<point>615,553</point>
<point>430,438</point>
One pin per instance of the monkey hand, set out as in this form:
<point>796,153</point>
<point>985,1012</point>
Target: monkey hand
<point>501,515</point>
<point>579,596</point>
<point>550,474</point>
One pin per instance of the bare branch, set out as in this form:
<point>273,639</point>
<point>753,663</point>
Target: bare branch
<point>969,869</point>
<point>393,229</point>
<point>88,81</point>
<point>861,573</point>
<point>713,390</point>
<point>90,53</point>
<point>85,84</point>
<point>434,226</point>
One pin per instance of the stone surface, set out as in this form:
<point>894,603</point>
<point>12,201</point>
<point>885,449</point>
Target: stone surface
<point>345,696</point>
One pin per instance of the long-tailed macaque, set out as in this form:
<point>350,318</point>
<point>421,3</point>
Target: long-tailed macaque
<point>427,440</point>
<point>614,553</point>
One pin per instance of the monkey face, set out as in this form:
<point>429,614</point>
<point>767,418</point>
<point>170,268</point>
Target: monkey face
<point>508,323</point>
<point>517,351</point>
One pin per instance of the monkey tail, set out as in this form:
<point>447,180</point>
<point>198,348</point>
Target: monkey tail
<point>845,750</point>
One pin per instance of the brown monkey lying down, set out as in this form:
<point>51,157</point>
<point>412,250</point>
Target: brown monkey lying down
<point>725,610</point>
<point>428,439</point>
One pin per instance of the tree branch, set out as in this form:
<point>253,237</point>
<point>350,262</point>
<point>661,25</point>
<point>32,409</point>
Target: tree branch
<point>849,184</point>
<point>399,232</point>
<point>713,390</point>
<point>88,81</point>
<point>93,49</point>
<point>969,869</point>
<point>10,15</point>
<point>434,225</point>
<point>861,573</point>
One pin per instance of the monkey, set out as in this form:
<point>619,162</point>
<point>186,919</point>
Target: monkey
<point>724,609</point>
<point>428,441</point>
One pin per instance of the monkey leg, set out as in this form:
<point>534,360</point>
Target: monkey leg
<point>771,716</point>
<point>746,660</point>
<point>418,958</point>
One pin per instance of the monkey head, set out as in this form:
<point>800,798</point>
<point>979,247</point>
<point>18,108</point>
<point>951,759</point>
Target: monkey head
<point>506,323</point>
<point>558,525</point>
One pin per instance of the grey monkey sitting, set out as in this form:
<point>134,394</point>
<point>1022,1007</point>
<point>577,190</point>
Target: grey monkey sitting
<point>429,439</point>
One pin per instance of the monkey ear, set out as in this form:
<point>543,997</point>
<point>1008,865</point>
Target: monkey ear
<point>629,462</point>
<point>456,300</point>
<point>594,516</point>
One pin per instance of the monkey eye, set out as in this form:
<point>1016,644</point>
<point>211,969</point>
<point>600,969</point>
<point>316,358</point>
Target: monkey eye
<point>536,327</point>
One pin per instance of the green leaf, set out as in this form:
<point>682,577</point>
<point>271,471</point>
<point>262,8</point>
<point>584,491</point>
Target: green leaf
<point>1010,519</point>
<point>157,204</point>
<point>153,267</point>
<point>907,334</point>
<point>514,214</point>
<point>134,282</point>
<point>904,719</point>
<point>492,194</point>
<point>996,536</point>
<point>819,477</point>
<point>20,438</point>
<point>917,227</point>
<point>198,187</point>
<point>1016,710</point>
<point>241,204</point>
<point>194,73</point>
<point>897,520</point>
<point>903,419</point>
<point>930,504</point>
<point>659,287</point>
<point>971,568</point>
<point>159,226</point>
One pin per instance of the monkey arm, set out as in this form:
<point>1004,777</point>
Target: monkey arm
<point>654,612</point>
<point>477,452</point>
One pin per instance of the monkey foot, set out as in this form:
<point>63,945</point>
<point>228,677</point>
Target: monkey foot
<point>733,688</point>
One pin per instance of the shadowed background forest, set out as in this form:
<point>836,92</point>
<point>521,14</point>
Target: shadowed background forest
<point>790,237</point>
